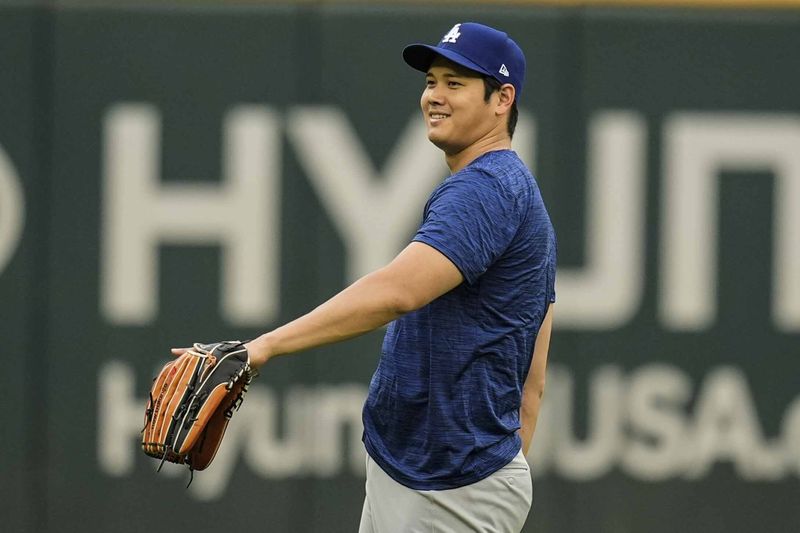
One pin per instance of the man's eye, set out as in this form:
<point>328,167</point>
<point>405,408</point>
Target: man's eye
<point>429,83</point>
<point>453,84</point>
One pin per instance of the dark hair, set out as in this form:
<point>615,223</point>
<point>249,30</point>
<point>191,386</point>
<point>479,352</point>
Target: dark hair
<point>491,85</point>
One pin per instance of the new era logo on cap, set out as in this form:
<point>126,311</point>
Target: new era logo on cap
<point>477,47</point>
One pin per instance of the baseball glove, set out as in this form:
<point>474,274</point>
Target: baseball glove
<point>192,400</point>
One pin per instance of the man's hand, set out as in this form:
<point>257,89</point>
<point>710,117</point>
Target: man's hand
<point>256,349</point>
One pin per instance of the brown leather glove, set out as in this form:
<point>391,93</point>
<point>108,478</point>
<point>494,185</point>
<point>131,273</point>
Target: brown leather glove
<point>192,400</point>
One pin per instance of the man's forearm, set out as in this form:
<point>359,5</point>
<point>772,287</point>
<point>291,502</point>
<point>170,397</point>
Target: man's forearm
<point>367,304</point>
<point>529,414</point>
<point>417,276</point>
<point>533,390</point>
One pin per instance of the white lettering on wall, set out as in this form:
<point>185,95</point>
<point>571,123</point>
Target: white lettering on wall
<point>697,147</point>
<point>607,292</point>
<point>240,214</point>
<point>791,435</point>
<point>120,417</point>
<point>657,399</point>
<point>656,435</point>
<point>12,209</point>
<point>526,139</point>
<point>639,422</point>
<point>374,211</point>
<point>727,428</point>
<point>593,456</point>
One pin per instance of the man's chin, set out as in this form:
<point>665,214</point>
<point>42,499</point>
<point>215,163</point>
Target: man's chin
<point>438,141</point>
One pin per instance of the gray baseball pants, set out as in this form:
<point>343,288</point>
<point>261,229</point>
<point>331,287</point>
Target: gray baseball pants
<point>496,504</point>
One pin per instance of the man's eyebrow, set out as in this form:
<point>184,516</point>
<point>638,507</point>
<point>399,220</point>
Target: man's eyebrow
<point>449,74</point>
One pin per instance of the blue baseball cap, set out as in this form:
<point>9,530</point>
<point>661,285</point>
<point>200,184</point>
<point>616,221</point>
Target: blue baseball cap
<point>477,47</point>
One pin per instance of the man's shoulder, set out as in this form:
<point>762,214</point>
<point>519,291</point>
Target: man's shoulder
<point>505,169</point>
<point>503,165</point>
<point>498,159</point>
<point>493,164</point>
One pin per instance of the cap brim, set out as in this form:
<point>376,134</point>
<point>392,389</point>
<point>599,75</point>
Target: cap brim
<point>420,57</point>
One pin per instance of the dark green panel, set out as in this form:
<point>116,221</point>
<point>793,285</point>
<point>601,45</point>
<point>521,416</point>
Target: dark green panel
<point>195,64</point>
<point>19,417</point>
<point>193,67</point>
<point>657,63</point>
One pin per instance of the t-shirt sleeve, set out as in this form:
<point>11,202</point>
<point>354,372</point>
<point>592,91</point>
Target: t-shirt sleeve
<point>471,219</point>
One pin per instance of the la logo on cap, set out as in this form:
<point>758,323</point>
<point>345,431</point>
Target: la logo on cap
<point>453,35</point>
<point>504,70</point>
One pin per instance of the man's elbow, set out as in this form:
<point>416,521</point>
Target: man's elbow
<point>404,301</point>
<point>534,391</point>
<point>540,388</point>
<point>389,295</point>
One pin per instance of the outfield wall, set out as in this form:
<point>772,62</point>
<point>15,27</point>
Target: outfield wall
<point>667,146</point>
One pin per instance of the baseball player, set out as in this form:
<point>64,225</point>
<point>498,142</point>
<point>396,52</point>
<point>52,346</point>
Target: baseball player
<point>453,403</point>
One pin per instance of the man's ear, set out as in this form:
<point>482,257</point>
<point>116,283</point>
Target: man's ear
<point>506,94</point>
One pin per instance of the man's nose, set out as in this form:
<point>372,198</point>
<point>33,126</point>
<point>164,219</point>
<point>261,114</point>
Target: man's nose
<point>435,96</point>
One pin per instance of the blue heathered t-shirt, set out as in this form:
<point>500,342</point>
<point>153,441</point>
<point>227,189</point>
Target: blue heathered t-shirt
<point>443,405</point>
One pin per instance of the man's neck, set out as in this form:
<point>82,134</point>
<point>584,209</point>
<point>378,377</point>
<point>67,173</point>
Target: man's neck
<point>461,159</point>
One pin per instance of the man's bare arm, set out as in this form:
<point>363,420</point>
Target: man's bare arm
<point>417,276</point>
<point>533,389</point>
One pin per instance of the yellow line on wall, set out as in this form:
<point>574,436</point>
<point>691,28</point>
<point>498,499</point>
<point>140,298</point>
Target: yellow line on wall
<point>701,4</point>
<point>721,4</point>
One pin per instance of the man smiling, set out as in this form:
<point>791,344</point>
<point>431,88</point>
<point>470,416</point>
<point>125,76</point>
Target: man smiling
<point>453,403</point>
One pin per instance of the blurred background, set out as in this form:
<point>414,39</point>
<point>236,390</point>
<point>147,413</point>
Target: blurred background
<point>182,171</point>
